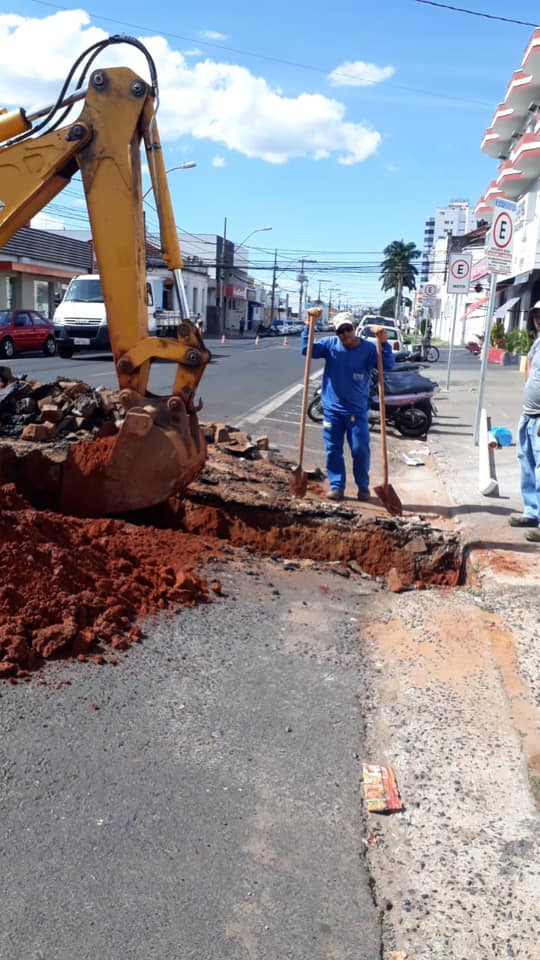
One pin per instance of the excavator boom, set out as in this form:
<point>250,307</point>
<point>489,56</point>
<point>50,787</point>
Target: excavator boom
<point>160,447</point>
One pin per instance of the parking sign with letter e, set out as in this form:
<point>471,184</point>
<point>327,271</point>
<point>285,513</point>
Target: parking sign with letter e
<point>459,273</point>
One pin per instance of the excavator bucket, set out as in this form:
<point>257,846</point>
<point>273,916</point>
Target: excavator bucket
<point>159,449</point>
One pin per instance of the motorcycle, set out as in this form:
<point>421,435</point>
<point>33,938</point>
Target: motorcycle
<point>475,345</point>
<point>408,403</point>
<point>422,353</point>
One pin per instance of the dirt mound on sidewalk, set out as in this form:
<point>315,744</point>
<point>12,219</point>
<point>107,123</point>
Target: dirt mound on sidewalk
<point>75,588</point>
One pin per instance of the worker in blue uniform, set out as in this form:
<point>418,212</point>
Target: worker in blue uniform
<point>346,381</point>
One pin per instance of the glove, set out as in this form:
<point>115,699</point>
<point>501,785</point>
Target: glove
<point>380,332</point>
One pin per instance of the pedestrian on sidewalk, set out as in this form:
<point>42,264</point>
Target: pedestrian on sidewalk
<point>346,384</point>
<point>528,440</point>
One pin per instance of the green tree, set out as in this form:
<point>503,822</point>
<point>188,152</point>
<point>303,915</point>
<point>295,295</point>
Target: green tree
<point>398,270</point>
<point>387,307</point>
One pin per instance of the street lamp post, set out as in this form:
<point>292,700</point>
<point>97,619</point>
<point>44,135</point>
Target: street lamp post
<point>237,246</point>
<point>176,272</point>
<point>181,166</point>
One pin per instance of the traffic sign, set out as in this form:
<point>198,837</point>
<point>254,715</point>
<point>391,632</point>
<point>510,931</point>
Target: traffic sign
<point>429,294</point>
<point>459,273</point>
<point>501,237</point>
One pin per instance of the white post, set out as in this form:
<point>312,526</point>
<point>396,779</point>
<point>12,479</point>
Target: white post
<point>485,349</point>
<point>451,342</point>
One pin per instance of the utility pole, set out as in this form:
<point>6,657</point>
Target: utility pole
<point>273,300</point>
<point>222,297</point>
<point>301,277</point>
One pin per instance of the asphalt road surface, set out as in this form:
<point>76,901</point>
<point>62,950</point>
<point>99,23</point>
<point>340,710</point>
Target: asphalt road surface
<point>209,807</point>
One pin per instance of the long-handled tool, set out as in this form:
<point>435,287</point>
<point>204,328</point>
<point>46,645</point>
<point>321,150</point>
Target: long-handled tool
<point>298,480</point>
<point>386,493</point>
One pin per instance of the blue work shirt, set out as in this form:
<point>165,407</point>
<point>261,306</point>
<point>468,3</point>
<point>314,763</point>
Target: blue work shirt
<point>347,373</point>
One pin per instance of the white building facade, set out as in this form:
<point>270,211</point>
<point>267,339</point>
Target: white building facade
<point>456,219</point>
<point>513,138</point>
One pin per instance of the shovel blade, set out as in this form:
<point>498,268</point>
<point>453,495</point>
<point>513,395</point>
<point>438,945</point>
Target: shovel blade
<point>389,499</point>
<point>298,482</point>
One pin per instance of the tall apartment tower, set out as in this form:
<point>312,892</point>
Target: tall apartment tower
<point>457,218</point>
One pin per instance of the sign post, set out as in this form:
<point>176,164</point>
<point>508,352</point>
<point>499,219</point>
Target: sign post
<point>459,278</point>
<point>499,260</point>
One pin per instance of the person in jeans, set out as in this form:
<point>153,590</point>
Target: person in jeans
<point>345,397</point>
<point>528,440</point>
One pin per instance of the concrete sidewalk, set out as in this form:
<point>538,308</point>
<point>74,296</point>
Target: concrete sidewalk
<point>483,520</point>
<point>454,703</point>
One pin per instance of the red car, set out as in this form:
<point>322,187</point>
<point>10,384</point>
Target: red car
<point>25,330</point>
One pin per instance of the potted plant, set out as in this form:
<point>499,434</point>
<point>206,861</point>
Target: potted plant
<point>508,348</point>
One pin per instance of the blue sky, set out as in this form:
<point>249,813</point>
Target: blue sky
<point>266,99</point>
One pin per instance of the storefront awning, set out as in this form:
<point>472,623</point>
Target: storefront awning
<point>501,311</point>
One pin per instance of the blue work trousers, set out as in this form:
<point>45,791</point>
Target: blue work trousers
<point>355,426</point>
<point>528,451</point>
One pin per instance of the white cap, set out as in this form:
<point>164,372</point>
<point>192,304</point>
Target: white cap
<point>342,319</point>
<point>536,306</point>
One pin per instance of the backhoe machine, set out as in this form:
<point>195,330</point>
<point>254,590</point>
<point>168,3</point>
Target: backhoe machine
<point>159,448</point>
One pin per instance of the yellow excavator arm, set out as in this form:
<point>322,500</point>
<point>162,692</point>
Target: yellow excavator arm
<point>160,447</point>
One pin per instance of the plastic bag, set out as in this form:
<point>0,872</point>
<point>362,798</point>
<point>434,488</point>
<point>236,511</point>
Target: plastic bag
<point>502,436</point>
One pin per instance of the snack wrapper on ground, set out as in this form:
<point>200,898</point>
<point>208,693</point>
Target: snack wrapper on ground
<point>380,789</point>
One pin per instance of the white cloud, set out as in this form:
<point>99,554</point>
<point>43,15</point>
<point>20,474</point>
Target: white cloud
<point>207,100</point>
<point>212,35</point>
<point>359,74</point>
<point>195,52</point>
<point>218,161</point>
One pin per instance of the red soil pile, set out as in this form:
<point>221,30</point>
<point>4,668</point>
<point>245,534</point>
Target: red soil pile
<point>93,455</point>
<point>75,588</point>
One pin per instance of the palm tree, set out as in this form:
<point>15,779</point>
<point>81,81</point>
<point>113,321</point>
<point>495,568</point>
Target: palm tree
<point>398,270</point>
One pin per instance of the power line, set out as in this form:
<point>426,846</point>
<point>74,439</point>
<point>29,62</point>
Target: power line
<point>259,56</point>
<point>477,13</point>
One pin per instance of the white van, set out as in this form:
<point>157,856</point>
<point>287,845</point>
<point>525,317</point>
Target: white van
<point>80,320</point>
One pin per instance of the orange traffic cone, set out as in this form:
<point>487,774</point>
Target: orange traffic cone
<point>285,341</point>
<point>257,340</point>
<point>223,338</point>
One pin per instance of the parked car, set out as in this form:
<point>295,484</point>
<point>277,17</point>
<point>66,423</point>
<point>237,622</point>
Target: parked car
<point>371,318</point>
<point>25,330</point>
<point>394,337</point>
<point>322,326</point>
<point>272,330</point>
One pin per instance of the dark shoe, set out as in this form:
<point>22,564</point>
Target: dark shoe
<point>336,493</point>
<point>363,495</point>
<point>533,535</point>
<point>522,522</point>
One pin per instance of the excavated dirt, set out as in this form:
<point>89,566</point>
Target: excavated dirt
<point>77,587</point>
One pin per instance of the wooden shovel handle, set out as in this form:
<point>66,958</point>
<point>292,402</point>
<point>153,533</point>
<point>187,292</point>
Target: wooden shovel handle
<point>305,396</point>
<point>380,370</point>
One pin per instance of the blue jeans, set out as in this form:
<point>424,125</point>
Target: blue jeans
<point>528,451</point>
<point>335,427</point>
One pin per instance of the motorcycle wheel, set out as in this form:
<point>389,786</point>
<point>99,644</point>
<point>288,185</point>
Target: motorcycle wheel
<point>315,411</point>
<point>414,421</point>
<point>432,354</point>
